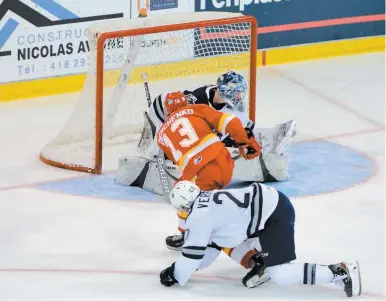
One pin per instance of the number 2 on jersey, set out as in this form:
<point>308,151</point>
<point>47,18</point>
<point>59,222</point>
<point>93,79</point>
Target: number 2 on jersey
<point>217,198</point>
<point>185,129</point>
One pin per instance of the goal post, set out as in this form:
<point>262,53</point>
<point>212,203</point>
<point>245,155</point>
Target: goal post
<point>177,51</point>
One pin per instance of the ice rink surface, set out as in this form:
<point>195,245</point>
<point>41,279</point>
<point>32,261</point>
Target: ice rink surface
<point>59,244</point>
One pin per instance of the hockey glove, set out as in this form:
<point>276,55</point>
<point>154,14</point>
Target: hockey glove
<point>167,276</point>
<point>250,150</point>
<point>229,142</point>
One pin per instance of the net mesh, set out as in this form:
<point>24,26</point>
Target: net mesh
<point>173,60</point>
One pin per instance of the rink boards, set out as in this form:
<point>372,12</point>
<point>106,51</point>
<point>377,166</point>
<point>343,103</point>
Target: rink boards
<point>272,56</point>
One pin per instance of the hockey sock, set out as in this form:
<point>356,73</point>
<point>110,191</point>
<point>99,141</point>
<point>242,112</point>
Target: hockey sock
<point>182,221</point>
<point>300,273</point>
<point>241,254</point>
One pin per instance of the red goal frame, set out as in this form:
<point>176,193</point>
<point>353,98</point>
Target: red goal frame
<point>97,169</point>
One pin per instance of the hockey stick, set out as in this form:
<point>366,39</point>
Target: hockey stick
<point>119,89</point>
<point>160,156</point>
<point>147,91</point>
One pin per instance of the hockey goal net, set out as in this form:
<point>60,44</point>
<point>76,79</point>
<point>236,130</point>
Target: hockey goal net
<point>176,51</point>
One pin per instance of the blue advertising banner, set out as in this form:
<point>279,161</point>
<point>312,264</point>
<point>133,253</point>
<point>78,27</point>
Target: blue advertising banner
<point>285,12</point>
<point>163,4</point>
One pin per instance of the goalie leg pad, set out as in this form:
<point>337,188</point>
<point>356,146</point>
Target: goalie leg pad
<point>257,169</point>
<point>277,165</point>
<point>133,171</point>
<point>142,172</point>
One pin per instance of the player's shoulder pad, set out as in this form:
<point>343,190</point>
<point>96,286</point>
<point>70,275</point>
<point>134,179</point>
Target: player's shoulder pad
<point>201,206</point>
<point>204,88</point>
<point>201,94</point>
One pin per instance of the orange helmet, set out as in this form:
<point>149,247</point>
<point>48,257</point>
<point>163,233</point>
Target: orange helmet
<point>174,101</point>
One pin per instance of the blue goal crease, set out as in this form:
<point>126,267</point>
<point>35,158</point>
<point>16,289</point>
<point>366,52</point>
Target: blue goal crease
<point>315,168</point>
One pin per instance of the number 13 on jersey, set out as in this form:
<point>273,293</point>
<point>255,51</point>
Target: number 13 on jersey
<point>188,136</point>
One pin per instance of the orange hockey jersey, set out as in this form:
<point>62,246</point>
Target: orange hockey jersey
<point>187,136</point>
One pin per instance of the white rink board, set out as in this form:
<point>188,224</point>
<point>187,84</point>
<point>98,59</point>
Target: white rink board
<point>39,51</point>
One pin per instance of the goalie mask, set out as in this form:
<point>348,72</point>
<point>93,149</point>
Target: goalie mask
<point>183,195</point>
<point>232,88</point>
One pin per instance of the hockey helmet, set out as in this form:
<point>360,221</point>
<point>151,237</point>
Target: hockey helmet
<point>183,195</point>
<point>232,88</point>
<point>174,101</point>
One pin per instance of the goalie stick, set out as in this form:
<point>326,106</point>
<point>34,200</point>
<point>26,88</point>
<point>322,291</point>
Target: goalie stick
<point>160,156</point>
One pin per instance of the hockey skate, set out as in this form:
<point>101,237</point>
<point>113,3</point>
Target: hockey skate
<point>348,276</point>
<point>286,132</point>
<point>175,242</point>
<point>258,274</point>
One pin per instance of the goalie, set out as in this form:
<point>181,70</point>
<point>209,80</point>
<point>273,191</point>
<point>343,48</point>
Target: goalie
<point>226,96</point>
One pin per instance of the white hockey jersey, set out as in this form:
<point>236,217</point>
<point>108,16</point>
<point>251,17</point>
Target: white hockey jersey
<point>222,218</point>
<point>201,95</point>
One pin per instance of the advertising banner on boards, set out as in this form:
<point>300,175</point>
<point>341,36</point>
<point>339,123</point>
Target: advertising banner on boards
<point>163,4</point>
<point>284,13</point>
<point>48,38</point>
